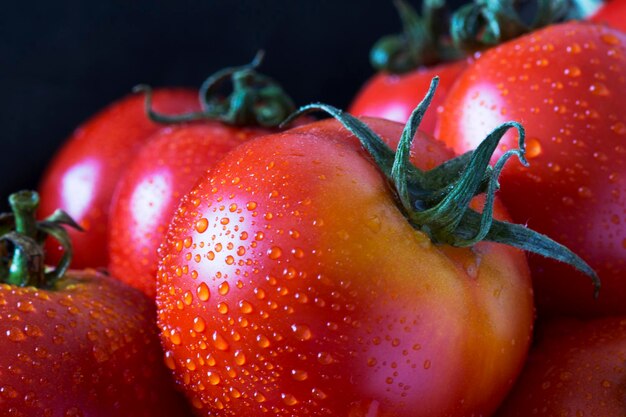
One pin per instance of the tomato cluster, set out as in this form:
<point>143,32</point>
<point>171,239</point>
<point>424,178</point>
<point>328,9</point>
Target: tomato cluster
<point>353,266</point>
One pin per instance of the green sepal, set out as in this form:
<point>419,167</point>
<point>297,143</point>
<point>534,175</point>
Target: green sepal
<point>22,262</point>
<point>437,201</point>
<point>255,100</point>
<point>485,23</point>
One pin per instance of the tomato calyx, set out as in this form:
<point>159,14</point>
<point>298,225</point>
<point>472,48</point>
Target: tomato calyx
<point>22,238</point>
<point>423,41</point>
<point>485,23</point>
<point>437,201</point>
<point>255,100</point>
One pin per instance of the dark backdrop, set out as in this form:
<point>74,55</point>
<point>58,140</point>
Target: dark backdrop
<point>61,61</point>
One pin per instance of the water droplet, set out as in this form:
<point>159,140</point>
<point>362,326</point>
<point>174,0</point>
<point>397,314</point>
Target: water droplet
<point>325,358</point>
<point>169,360</point>
<point>619,128</point>
<point>372,362</point>
<point>240,358</point>
<point>222,308</point>
<point>263,341</point>
<point>274,253</point>
<point>198,324</point>
<point>373,223</point>
<point>219,341</point>
<point>245,307</point>
<point>15,335</point>
<point>213,377</point>
<point>175,337</point>
<point>203,292</point>
<point>585,192</point>
<point>427,364</point>
<point>533,148</point>
<point>289,399</point>
<point>389,380</point>
<point>224,288</point>
<point>599,89</point>
<point>610,39</point>
<point>202,225</point>
<point>299,375</point>
<point>318,394</point>
<point>572,72</point>
<point>25,306</point>
<point>301,332</point>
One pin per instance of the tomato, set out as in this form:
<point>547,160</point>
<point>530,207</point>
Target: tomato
<point>82,176</point>
<point>146,197</point>
<point>78,344</point>
<point>575,369</point>
<point>565,84</point>
<point>292,284</point>
<point>612,13</point>
<point>393,97</point>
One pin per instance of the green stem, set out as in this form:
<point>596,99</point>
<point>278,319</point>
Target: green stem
<point>423,41</point>
<point>437,202</point>
<point>26,267</point>
<point>485,23</point>
<point>22,234</point>
<point>255,100</point>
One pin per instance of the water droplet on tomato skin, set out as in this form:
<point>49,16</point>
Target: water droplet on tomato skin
<point>289,399</point>
<point>302,332</point>
<point>223,288</point>
<point>219,341</point>
<point>203,291</point>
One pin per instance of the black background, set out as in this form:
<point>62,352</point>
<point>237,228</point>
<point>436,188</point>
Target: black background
<point>61,61</point>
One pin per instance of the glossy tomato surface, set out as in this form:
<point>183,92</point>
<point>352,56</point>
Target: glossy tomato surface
<point>291,284</point>
<point>82,176</point>
<point>87,347</point>
<point>147,195</point>
<point>612,13</point>
<point>575,369</point>
<point>566,85</point>
<point>394,97</point>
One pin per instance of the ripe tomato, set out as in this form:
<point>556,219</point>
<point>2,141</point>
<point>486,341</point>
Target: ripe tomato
<point>575,369</point>
<point>393,97</point>
<point>82,176</point>
<point>146,197</point>
<point>291,284</point>
<point>80,344</point>
<point>566,85</point>
<point>612,13</point>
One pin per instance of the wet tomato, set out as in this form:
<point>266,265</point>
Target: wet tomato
<point>575,369</point>
<point>74,343</point>
<point>612,13</point>
<point>566,85</point>
<point>82,176</point>
<point>394,96</point>
<point>292,284</point>
<point>147,195</point>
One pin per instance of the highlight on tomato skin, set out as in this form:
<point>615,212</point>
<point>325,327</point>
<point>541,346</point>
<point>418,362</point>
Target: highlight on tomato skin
<point>147,195</point>
<point>565,84</point>
<point>291,284</point>
<point>394,96</point>
<point>81,177</point>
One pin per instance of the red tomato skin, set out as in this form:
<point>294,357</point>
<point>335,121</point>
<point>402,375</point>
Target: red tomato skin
<point>82,176</point>
<point>291,284</point>
<point>394,97</point>
<point>575,369</point>
<point>612,13</point>
<point>147,195</point>
<point>566,85</point>
<point>89,347</point>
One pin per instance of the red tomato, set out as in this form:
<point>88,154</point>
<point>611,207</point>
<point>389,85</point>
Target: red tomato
<point>566,85</point>
<point>612,13</point>
<point>77,344</point>
<point>393,97</point>
<point>575,369</point>
<point>83,174</point>
<point>291,284</point>
<point>147,195</point>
